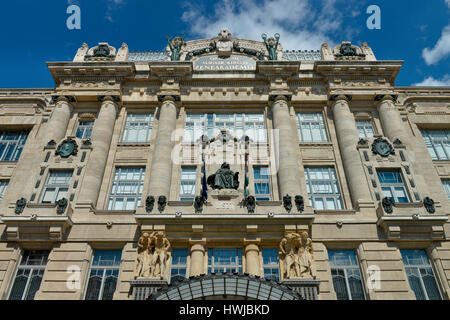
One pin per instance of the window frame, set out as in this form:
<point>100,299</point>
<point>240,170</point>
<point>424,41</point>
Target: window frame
<point>57,187</point>
<point>271,265</point>
<point>237,263</point>
<point>32,268</point>
<point>81,125</point>
<point>325,136</point>
<point>446,185</point>
<point>364,128</point>
<point>3,188</point>
<point>177,266</point>
<point>426,135</point>
<point>140,188</point>
<point>337,197</point>
<point>18,144</point>
<point>259,197</point>
<point>392,186</point>
<point>345,269</point>
<point>105,269</point>
<point>193,181</point>
<point>129,123</point>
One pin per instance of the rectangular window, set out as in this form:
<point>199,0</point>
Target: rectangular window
<point>3,186</point>
<point>347,280</point>
<point>393,186</point>
<point>138,128</point>
<point>311,127</point>
<point>323,188</point>
<point>126,190</point>
<point>29,275</point>
<point>262,183</point>
<point>211,124</point>
<point>187,184</point>
<point>179,263</point>
<point>270,264</point>
<point>446,184</point>
<point>421,275</point>
<point>11,145</point>
<point>365,128</point>
<point>84,130</point>
<point>103,275</point>
<point>438,143</point>
<point>224,260</point>
<point>57,186</point>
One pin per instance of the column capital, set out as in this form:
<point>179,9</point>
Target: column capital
<point>111,98</point>
<point>277,97</point>
<point>169,97</point>
<point>67,99</point>
<point>340,97</point>
<point>383,97</point>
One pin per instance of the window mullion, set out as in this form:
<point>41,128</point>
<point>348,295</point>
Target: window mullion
<point>347,283</point>
<point>27,285</point>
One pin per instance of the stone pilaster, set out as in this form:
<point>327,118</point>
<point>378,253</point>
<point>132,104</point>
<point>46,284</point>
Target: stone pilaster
<point>101,142</point>
<point>57,124</point>
<point>197,258</point>
<point>348,137</point>
<point>252,265</point>
<point>285,148</point>
<point>391,121</point>
<point>161,169</point>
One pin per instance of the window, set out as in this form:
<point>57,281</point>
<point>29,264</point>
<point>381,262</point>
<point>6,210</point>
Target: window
<point>179,263</point>
<point>446,184</point>
<point>103,275</point>
<point>3,186</point>
<point>323,189</point>
<point>138,128</point>
<point>270,264</point>
<point>224,260</point>
<point>438,143</point>
<point>211,124</point>
<point>11,145</point>
<point>29,275</point>
<point>347,280</point>
<point>420,275</point>
<point>262,183</point>
<point>187,184</point>
<point>84,130</point>
<point>57,186</point>
<point>126,190</point>
<point>311,127</point>
<point>393,186</point>
<point>365,128</point>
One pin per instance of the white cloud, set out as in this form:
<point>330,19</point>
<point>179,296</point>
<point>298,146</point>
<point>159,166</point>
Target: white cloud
<point>111,6</point>
<point>441,50</point>
<point>301,25</point>
<point>448,3</point>
<point>432,82</point>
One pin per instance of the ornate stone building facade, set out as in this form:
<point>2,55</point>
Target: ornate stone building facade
<point>249,171</point>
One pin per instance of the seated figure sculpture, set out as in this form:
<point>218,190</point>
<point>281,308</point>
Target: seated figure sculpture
<point>224,178</point>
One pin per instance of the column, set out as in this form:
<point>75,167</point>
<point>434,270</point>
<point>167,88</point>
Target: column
<point>348,137</point>
<point>393,126</point>
<point>101,142</point>
<point>161,169</point>
<point>252,265</point>
<point>286,149</point>
<point>57,124</point>
<point>197,258</point>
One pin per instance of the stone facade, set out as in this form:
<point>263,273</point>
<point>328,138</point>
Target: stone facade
<point>105,85</point>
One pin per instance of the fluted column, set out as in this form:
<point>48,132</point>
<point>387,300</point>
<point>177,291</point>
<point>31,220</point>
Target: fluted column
<point>161,169</point>
<point>391,121</point>
<point>286,157</point>
<point>57,124</point>
<point>348,137</point>
<point>197,259</point>
<point>101,142</point>
<point>252,266</point>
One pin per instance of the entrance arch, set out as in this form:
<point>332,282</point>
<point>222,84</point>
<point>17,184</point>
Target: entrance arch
<point>225,287</point>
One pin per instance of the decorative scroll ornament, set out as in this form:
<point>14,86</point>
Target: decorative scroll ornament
<point>299,203</point>
<point>149,204</point>
<point>297,257</point>
<point>287,203</point>
<point>67,148</point>
<point>20,205</point>
<point>61,205</point>
<point>199,201</point>
<point>162,202</point>
<point>388,205</point>
<point>383,148</point>
<point>224,178</point>
<point>154,256</point>
<point>250,204</point>
<point>429,205</point>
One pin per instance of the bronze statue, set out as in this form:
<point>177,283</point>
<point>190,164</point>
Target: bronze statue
<point>175,47</point>
<point>272,45</point>
<point>224,178</point>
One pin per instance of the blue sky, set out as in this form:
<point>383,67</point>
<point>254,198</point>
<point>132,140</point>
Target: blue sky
<point>34,32</point>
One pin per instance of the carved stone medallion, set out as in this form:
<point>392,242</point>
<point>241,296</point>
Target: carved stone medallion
<point>67,148</point>
<point>382,147</point>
